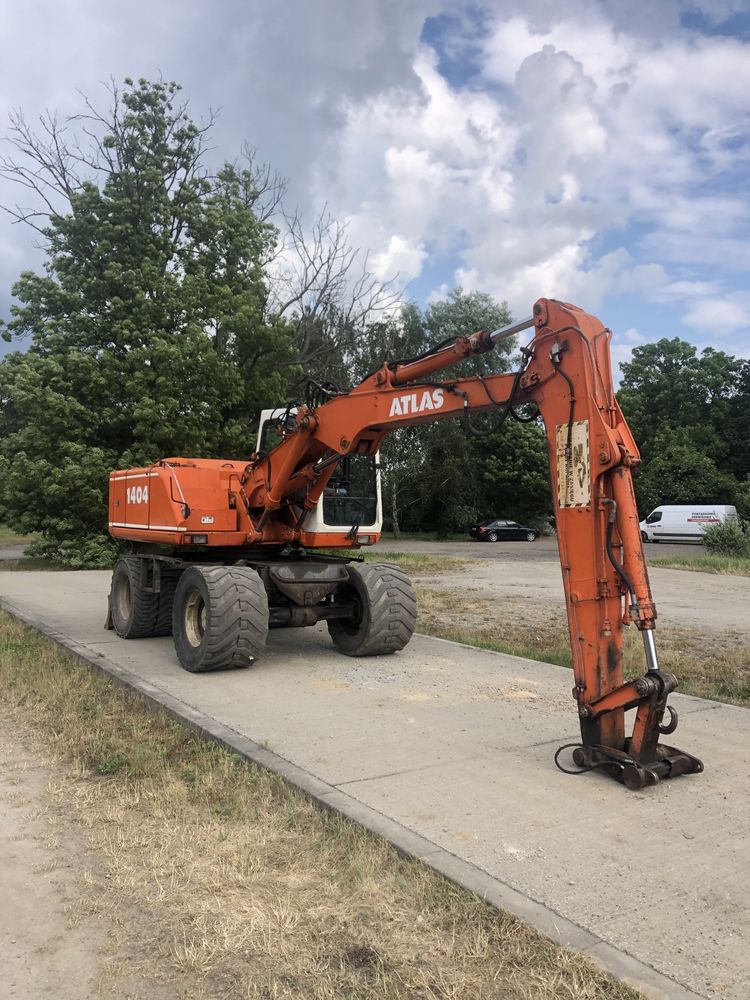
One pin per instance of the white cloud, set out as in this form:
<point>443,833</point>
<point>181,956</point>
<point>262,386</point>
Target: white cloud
<point>577,125</point>
<point>720,316</point>
<point>401,258</point>
<point>622,348</point>
<point>677,290</point>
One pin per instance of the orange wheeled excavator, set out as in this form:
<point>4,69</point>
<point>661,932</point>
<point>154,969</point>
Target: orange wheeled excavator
<point>223,550</point>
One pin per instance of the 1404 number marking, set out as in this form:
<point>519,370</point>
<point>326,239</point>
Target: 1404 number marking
<point>137,494</point>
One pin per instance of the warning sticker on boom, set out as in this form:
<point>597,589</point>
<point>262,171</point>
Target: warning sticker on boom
<point>573,476</point>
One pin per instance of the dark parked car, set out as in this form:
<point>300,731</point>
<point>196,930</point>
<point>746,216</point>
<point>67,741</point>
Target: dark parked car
<point>501,530</point>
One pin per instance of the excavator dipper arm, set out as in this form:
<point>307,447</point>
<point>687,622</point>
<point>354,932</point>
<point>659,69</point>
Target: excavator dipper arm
<point>592,456</point>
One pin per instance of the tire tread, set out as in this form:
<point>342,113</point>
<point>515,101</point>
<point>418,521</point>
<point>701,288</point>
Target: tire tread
<point>391,612</point>
<point>236,618</point>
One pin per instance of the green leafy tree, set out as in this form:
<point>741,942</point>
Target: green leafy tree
<point>464,313</point>
<point>690,414</point>
<point>679,473</point>
<point>668,384</point>
<point>448,482</point>
<point>515,473</point>
<point>148,328</point>
<point>440,477</point>
<point>737,430</point>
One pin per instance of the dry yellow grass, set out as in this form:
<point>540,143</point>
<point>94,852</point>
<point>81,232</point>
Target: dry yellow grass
<point>717,668</point>
<point>224,882</point>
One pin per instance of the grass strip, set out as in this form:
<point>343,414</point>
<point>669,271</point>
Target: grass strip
<point>418,563</point>
<point>728,565</point>
<point>228,883</point>
<point>27,563</point>
<point>718,668</point>
<point>10,537</point>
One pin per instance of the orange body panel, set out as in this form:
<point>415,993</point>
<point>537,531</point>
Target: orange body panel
<point>175,499</point>
<point>171,502</point>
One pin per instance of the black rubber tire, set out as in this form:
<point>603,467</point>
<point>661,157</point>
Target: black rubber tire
<point>492,537</point>
<point>387,611</point>
<point>644,536</point>
<point>134,611</point>
<point>166,604</point>
<point>530,536</point>
<point>220,618</point>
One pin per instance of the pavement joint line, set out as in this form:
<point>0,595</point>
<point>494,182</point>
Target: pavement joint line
<point>408,770</point>
<point>710,707</point>
<point>534,746</point>
<point>561,930</point>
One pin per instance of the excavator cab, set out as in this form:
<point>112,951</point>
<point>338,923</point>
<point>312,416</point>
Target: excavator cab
<point>352,499</point>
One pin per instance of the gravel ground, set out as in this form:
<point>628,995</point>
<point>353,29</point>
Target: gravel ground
<point>530,571</point>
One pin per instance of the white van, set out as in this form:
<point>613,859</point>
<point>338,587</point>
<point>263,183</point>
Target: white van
<point>683,523</point>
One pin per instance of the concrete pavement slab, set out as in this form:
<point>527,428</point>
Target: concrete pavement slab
<point>447,751</point>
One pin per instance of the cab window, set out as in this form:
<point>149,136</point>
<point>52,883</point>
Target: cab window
<point>350,497</point>
<point>271,434</point>
<point>654,518</point>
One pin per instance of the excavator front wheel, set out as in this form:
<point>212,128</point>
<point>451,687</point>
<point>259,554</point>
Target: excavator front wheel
<point>219,618</point>
<point>385,611</point>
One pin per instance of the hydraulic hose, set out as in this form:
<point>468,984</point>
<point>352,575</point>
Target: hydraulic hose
<point>610,551</point>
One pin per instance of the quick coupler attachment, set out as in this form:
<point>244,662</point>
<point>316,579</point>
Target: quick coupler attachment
<point>642,760</point>
<point>668,763</point>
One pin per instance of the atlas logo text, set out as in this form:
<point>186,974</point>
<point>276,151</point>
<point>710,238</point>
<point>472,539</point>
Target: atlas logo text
<point>413,403</point>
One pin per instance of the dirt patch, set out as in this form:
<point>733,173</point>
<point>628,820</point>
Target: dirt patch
<point>54,939</point>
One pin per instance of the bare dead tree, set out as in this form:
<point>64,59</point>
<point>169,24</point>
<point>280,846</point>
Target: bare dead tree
<point>43,165</point>
<point>323,287</point>
<point>268,185</point>
<point>51,162</point>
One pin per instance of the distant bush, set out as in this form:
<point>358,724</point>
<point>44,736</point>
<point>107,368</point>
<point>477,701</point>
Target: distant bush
<point>731,538</point>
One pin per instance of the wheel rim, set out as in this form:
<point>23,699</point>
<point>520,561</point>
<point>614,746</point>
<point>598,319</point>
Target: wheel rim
<point>123,598</point>
<point>492,537</point>
<point>195,618</point>
<point>530,537</point>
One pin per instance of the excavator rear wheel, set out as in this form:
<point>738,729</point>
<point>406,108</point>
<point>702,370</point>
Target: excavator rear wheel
<point>385,611</point>
<point>220,617</point>
<point>134,610</point>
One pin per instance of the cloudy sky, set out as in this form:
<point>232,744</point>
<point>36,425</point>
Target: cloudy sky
<point>590,150</point>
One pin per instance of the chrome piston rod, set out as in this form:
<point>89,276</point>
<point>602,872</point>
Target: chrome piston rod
<point>503,332</point>
<point>650,648</point>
